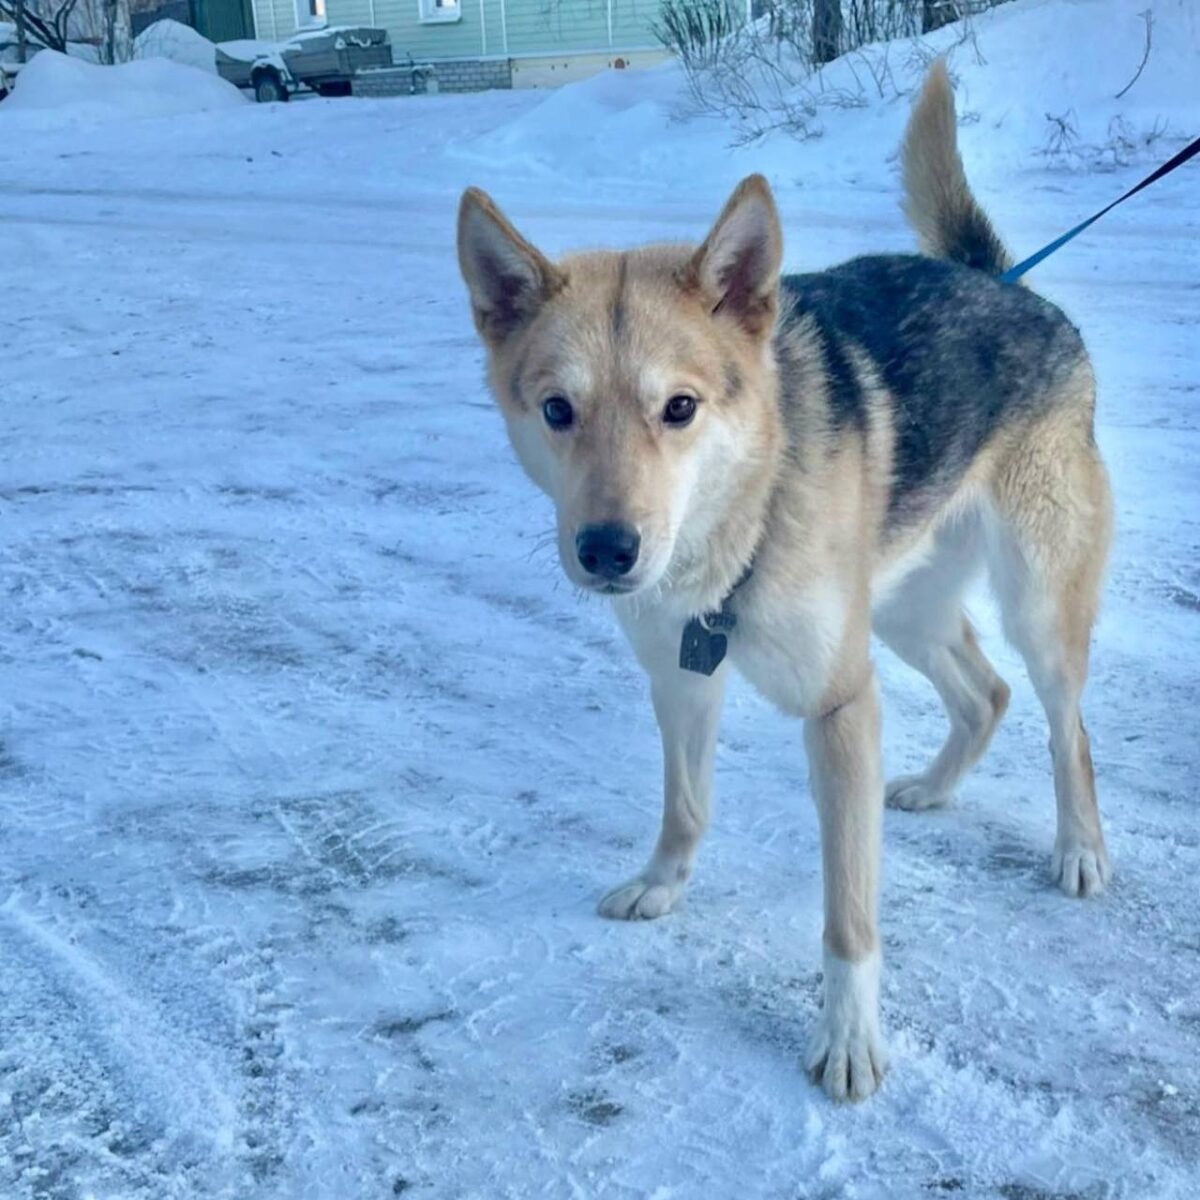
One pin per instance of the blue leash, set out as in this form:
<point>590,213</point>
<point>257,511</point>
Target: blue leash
<point>1015,273</point>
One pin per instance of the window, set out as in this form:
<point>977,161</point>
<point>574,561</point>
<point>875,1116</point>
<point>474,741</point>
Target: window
<point>310,13</point>
<point>439,10</point>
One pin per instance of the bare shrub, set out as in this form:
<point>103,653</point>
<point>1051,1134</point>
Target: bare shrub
<point>56,24</point>
<point>762,75</point>
<point>696,31</point>
<point>46,22</point>
<point>1121,144</point>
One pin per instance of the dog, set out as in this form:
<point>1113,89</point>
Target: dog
<point>762,469</point>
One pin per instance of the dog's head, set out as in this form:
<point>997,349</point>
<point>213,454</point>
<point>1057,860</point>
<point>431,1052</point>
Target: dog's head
<point>638,387</point>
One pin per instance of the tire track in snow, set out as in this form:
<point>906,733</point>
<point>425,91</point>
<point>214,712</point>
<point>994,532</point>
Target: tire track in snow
<point>141,1100</point>
<point>264,1107</point>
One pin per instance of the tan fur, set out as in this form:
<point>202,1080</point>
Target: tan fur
<point>843,748</point>
<point>617,335</point>
<point>1052,494</point>
<point>937,198</point>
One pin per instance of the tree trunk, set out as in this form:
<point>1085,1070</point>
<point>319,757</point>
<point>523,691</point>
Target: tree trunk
<point>118,32</point>
<point>20,15</point>
<point>936,13</point>
<point>826,30</point>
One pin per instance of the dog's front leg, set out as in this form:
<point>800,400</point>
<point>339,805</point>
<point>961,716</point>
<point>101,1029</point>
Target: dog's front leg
<point>688,707</point>
<point>847,1053</point>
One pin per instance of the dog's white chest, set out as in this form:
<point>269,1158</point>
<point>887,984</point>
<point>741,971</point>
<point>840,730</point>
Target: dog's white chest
<point>787,645</point>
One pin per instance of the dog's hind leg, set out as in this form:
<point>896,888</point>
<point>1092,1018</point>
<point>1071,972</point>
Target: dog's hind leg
<point>688,708</point>
<point>924,623</point>
<point>1048,551</point>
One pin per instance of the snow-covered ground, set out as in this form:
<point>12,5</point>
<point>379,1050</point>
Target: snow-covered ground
<point>312,769</point>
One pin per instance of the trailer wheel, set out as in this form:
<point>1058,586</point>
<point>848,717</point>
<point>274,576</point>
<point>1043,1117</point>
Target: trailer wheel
<point>268,87</point>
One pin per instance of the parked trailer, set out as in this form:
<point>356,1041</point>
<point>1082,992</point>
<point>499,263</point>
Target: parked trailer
<point>325,60</point>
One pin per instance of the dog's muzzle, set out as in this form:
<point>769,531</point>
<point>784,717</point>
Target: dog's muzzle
<point>608,551</point>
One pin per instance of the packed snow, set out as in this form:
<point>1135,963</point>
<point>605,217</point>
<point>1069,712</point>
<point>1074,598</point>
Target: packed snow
<point>178,42</point>
<point>54,88</point>
<point>312,768</point>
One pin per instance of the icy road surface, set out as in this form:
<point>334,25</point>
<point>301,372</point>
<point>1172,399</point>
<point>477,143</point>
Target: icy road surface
<point>312,770</point>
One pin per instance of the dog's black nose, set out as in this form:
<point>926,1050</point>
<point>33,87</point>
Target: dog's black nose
<point>608,550</point>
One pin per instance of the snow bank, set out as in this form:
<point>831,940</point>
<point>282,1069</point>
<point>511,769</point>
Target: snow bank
<point>1024,96</point>
<point>178,42</point>
<point>72,90</point>
<point>1030,72</point>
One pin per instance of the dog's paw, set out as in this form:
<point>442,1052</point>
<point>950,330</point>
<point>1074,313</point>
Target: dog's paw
<point>651,894</point>
<point>913,792</point>
<point>847,1054</point>
<point>1080,869</point>
<point>849,1066</point>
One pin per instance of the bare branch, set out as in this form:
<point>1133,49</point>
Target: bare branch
<point>1148,17</point>
<point>62,20</point>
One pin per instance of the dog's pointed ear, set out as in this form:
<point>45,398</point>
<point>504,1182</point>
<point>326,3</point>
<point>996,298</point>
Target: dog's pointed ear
<point>508,278</point>
<point>737,267</point>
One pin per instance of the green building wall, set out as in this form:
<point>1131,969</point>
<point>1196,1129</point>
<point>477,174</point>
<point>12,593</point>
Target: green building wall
<point>486,28</point>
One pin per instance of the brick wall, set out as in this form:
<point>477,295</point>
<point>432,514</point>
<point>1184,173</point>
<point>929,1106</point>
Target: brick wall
<point>394,81</point>
<point>473,74</point>
<point>450,75</point>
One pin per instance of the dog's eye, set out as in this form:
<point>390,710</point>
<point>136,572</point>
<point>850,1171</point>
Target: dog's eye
<point>558,412</point>
<point>680,410</point>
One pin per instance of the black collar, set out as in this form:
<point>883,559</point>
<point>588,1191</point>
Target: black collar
<point>705,638</point>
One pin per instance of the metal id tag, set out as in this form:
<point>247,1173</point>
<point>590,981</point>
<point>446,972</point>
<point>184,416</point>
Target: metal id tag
<point>701,649</point>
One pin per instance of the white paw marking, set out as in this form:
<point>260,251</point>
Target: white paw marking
<point>914,792</point>
<point>847,1054</point>
<point>1080,869</point>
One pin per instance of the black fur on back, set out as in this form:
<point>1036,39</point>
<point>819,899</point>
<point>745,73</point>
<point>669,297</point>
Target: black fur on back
<point>959,352</point>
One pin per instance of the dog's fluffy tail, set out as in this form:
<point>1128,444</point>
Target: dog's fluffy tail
<point>937,199</point>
